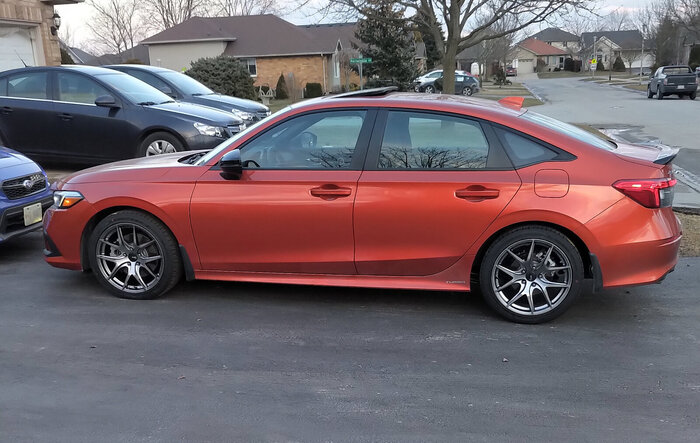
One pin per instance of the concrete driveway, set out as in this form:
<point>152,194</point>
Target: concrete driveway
<point>253,362</point>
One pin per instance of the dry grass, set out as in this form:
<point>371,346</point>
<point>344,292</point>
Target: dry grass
<point>560,74</point>
<point>637,87</point>
<point>690,244</point>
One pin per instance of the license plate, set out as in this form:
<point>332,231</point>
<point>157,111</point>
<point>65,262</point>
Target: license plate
<point>32,214</point>
<point>681,86</point>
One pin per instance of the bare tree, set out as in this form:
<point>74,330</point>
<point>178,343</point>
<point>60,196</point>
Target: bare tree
<point>577,22</point>
<point>616,20</point>
<point>465,21</point>
<point>227,8</point>
<point>164,14</point>
<point>116,24</point>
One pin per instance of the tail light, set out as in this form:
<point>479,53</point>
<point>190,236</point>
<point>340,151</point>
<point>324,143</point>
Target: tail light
<point>665,81</point>
<point>651,193</point>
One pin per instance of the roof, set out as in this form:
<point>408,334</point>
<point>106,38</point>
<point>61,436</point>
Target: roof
<point>538,47</point>
<point>555,35</point>
<point>631,39</point>
<point>471,53</point>
<point>138,52</point>
<point>259,35</point>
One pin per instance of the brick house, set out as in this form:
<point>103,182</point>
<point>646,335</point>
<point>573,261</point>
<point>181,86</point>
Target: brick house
<point>532,55</point>
<point>611,44</point>
<point>28,34</point>
<point>566,41</point>
<point>266,44</point>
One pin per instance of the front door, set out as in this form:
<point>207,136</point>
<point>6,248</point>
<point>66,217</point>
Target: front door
<point>291,211</point>
<point>432,185</point>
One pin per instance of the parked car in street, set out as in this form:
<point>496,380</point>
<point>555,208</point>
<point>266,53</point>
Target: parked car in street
<point>464,84</point>
<point>519,205</point>
<point>511,71</point>
<point>184,88</point>
<point>432,76</point>
<point>90,115</point>
<point>677,79</point>
<point>24,194</point>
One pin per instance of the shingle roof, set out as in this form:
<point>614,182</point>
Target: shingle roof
<point>555,35</point>
<point>631,39</point>
<point>259,35</point>
<point>538,47</point>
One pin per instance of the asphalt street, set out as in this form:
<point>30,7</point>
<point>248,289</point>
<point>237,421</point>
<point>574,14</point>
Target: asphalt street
<point>253,362</point>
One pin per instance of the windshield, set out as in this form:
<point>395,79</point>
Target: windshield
<point>134,89</point>
<point>186,84</point>
<point>222,146</point>
<point>570,130</point>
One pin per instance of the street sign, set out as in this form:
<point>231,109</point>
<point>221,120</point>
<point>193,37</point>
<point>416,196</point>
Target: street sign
<point>594,61</point>
<point>361,60</point>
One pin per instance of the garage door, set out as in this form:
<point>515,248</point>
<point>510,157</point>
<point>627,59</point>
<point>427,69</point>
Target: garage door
<point>15,46</point>
<point>526,65</point>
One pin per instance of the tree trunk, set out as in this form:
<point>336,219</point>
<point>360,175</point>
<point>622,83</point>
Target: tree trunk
<point>448,68</point>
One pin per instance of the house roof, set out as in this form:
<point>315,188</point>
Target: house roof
<point>538,47</point>
<point>555,35</point>
<point>258,35</point>
<point>631,39</point>
<point>138,52</point>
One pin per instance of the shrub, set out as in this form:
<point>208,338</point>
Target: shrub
<point>568,64</point>
<point>694,59</point>
<point>619,65</point>
<point>557,69</point>
<point>66,58</point>
<point>134,61</point>
<point>224,75</point>
<point>313,90</point>
<point>281,88</point>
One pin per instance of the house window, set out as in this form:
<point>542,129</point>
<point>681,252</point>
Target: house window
<point>250,64</point>
<point>566,44</point>
<point>336,65</point>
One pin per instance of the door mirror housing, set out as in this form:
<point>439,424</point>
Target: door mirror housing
<point>231,166</point>
<point>106,101</point>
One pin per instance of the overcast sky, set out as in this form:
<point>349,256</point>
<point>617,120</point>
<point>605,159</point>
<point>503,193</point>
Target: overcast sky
<point>74,17</point>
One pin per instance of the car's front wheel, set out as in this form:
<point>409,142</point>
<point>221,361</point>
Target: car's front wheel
<point>134,255</point>
<point>659,94</point>
<point>531,274</point>
<point>649,93</point>
<point>467,91</point>
<point>159,143</point>
<point>692,95</point>
<point>429,89</point>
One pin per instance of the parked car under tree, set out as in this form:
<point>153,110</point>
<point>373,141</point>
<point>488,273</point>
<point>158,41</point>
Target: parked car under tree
<point>90,115</point>
<point>464,85</point>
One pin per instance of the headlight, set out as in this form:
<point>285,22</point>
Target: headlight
<point>212,131</point>
<point>66,199</point>
<point>242,114</point>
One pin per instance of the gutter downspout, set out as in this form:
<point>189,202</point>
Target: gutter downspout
<point>323,62</point>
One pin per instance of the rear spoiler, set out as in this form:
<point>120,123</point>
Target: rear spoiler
<point>666,159</point>
<point>512,102</point>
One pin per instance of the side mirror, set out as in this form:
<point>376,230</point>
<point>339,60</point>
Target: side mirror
<point>230,164</point>
<point>106,101</point>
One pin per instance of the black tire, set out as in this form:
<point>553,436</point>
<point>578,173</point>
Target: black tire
<point>468,91</point>
<point>563,254</point>
<point>165,138</point>
<point>692,95</point>
<point>429,89</point>
<point>649,93</point>
<point>659,93</point>
<point>168,269</point>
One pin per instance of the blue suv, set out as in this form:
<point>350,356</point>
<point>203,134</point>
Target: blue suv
<point>24,194</point>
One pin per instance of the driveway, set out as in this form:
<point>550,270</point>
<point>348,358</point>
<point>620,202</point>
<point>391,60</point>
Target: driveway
<point>253,362</point>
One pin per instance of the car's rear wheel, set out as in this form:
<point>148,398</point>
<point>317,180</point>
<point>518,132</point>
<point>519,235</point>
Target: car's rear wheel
<point>159,143</point>
<point>467,91</point>
<point>134,255</point>
<point>429,89</point>
<point>531,274</point>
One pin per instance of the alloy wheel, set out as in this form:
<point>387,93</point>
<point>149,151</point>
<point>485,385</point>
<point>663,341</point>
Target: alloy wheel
<point>130,258</point>
<point>160,147</point>
<point>531,277</point>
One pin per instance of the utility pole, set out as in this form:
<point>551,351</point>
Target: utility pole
<point>641,61</point>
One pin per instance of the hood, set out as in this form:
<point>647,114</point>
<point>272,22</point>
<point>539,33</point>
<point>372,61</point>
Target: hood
<point>9,157</point>
<point>226,102</point>
<point>140,169</point>
<point>655,153</point>
<point>198,113</point>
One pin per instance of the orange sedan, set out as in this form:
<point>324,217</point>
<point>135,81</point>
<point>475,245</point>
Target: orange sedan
<point>381,189</point>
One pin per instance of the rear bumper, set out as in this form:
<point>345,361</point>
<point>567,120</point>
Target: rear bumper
<point>635,245</point>
<point>679,89</point>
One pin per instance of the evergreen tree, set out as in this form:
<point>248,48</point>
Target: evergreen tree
<point>389,43</point>
<point>423,25</point>
<point>225,75</point>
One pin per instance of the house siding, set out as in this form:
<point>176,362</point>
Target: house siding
<point>179,56</point>
<point>38,18</point>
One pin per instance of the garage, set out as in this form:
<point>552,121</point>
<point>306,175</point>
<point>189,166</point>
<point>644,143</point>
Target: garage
<point>17,47</point>
<point>526,65</point>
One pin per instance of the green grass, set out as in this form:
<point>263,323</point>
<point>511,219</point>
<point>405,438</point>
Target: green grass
<point>276,105</point>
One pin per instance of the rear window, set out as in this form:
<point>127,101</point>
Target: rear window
<point>677,70</point>
<point>523,151</point>
<point>570,130</point>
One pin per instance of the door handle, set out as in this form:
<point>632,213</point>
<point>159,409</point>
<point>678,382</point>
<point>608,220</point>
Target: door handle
<point>65,117</point>
<point>6,110</point>
<point>330,192</point>
<point>476,193</point>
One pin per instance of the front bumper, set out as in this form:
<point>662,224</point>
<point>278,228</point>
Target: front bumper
<point>12,218</point>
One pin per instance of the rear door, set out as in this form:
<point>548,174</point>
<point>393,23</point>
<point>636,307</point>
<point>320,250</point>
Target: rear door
<point>432,184</point>
<point>27,120</point>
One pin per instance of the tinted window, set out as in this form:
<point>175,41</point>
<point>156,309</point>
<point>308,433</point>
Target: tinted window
<point>151,80</point>
<point>187,84</point>
<point>3,86</point>
<point>76,88</point>
<point>133,89</point>
<point>524,151</point>
<point>428,141</point>
<point>316,141</point>
<point>28,85</point>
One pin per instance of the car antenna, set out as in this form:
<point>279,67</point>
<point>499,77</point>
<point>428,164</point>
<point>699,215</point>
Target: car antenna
<point>20,58</point>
